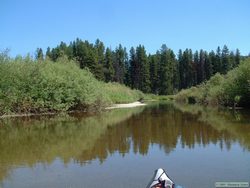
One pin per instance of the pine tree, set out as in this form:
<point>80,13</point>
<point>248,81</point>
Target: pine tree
<point>141,63</point>
<point>63,49</point>
<point>39,54</point>
<point>181,69</point>
<point>232,62</point>
<point>212,58</point>
<point>207,67</point>
<point>197,67</point>
<point>70,51</point>
<point>119,64</point>
<point>237,57</point>
<point>188,69</point>
<point>217,64</point>
<point>176,75</point>
<point>191,69</point>
<point>134,69</point>
<point>127,73</point>
<point>166,71</point>
<point>225,60</point>
<point>92,63</point>
<point>201,73</point>
<point>109,67</point>
<point>145,73</point>
<point>48,53</point>
<point>153,69</point>
<point>79,52</point>
<point>99,53</point>
<point>99,47</point>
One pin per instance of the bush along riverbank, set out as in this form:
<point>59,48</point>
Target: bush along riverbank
<point>232,89</point>
<point>32,86</point>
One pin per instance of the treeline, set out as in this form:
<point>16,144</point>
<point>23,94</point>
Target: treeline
<point>161,73</point>
<point>231,89</point>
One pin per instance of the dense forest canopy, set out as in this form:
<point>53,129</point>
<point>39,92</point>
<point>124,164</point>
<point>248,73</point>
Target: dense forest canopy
<point>161,73</point>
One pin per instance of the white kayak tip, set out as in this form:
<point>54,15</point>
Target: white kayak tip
<point>161,180</point>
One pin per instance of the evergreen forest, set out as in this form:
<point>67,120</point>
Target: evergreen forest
<point>162,73</point>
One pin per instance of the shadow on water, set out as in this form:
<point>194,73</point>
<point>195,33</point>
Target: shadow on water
<point>28,141</point>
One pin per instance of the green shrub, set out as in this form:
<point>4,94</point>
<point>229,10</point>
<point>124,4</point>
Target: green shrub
<point>215,90</point>
<point>118,93</point>
<point>28,86</point>
<point>194,93</point>
<point>237,84</point>
<point>47,86</point>
<point>222,90</point>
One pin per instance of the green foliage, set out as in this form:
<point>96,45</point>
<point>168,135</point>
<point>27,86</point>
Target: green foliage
<point>108,67</point>
<point>225,60</point>
<point>47,86</point>
<point>28,86</point>
<point>159,73</point>
<point>120,58</point>
<point>237,84</point>
<point>166,71</point>
<point>39,54</point>
<point>154,69</point>
<point>222,90</point>
<point>118,93</point>
<point>143,73</point>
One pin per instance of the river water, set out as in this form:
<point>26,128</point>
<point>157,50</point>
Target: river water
<point>121,148</point>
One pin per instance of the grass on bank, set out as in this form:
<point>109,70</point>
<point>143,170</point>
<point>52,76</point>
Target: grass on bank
<point>30,86</point>
<point>154,97</point>
<point>221,90</point>
<point>118,93</point>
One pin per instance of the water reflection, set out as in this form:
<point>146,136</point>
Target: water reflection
<point>28,141</point>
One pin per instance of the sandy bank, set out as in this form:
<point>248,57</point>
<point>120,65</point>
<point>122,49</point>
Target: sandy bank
<point>128,105</point>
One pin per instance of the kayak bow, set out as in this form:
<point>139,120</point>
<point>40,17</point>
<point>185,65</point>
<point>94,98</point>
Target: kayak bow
<point>161,180</point>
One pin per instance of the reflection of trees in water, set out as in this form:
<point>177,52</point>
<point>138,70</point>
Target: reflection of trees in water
<point>26,142</point>
<point>162,125</point>
<point>234,123</point>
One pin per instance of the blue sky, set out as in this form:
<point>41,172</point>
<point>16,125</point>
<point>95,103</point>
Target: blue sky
<point>28,24</point>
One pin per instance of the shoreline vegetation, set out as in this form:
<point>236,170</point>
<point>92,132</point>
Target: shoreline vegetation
<point>47,85</point>
<point>113,106</point>
<point>31,87</point>
<point>231,90</point>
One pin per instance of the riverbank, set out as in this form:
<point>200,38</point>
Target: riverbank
<point>114,106</point>
<point>230,90</point>
<point>29,87</point>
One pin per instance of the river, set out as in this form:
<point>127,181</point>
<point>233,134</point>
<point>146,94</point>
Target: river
<point>121,148</point>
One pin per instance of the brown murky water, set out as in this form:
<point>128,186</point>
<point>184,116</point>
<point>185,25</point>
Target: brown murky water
<point>123,147</point>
